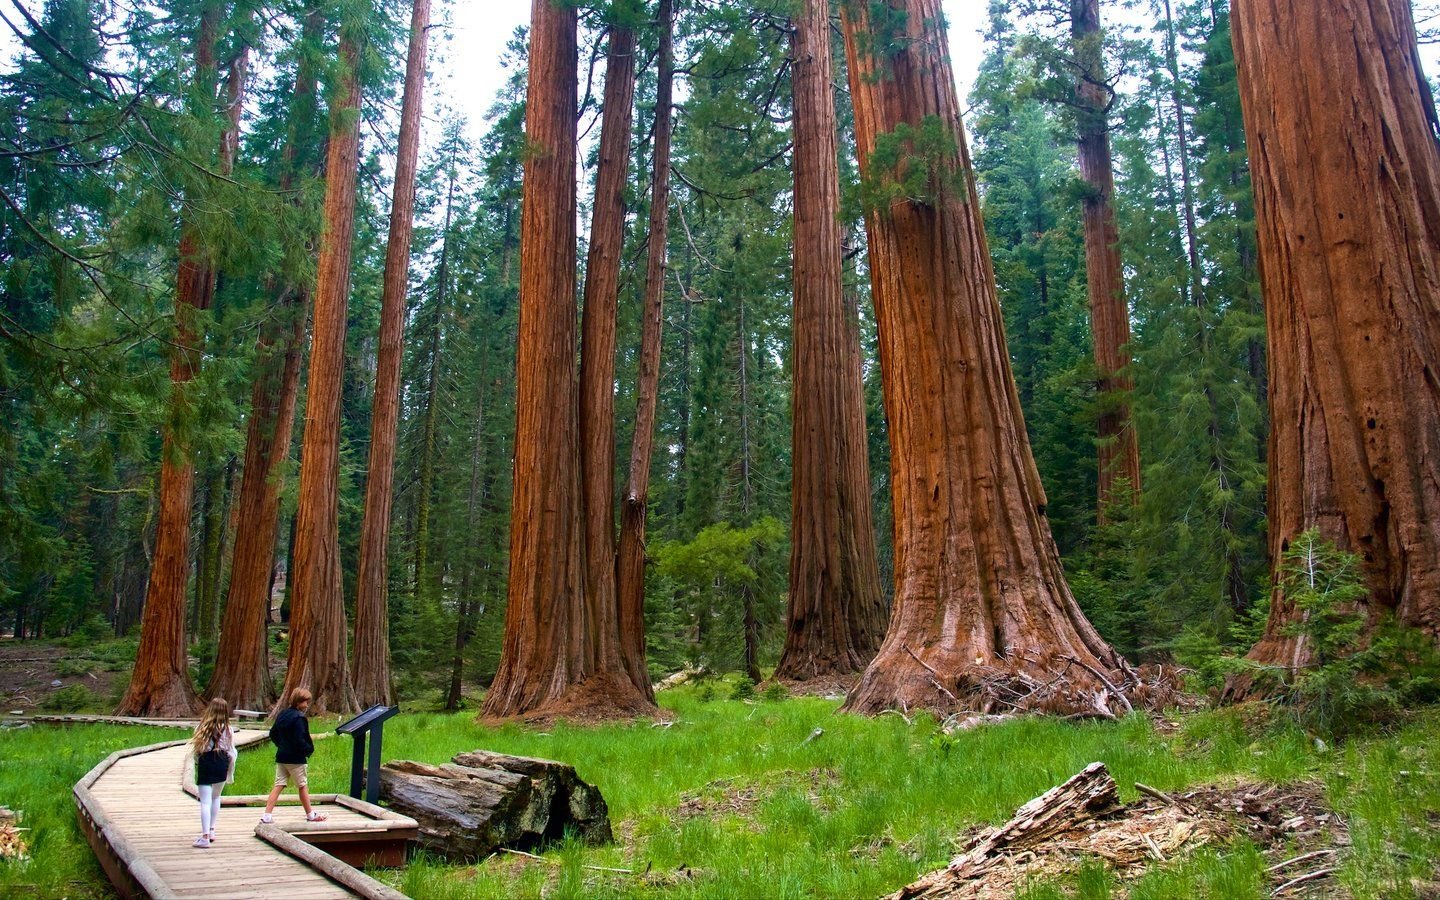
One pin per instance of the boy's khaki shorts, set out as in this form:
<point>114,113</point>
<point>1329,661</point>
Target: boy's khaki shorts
<point>291,773</point>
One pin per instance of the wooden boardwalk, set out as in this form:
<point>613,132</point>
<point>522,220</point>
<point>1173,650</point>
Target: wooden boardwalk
<point>141,818</point>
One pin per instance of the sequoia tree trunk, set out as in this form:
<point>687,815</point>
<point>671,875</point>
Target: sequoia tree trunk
<point>979,591</point>
<point>836,614</point>
<point>317,608</point>
<point>160,682</point>
<point>550,660</point>
<point>630,565</point>
<point>1342,136</point>
<point>371,674</point>
<point>597,351</point>
<point>1118,447</point>
<point>242,673</point>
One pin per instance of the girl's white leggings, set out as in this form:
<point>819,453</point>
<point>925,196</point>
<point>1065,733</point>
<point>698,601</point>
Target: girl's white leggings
<point>209,805</point>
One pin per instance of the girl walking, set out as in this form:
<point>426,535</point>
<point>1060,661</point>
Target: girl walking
<point>214,746</point>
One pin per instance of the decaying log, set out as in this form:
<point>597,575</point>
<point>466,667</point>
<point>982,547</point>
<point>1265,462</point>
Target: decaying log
<point>1088,795</point>
<point>483,801</point>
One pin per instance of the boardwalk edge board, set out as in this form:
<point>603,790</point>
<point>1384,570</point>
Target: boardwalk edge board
<point>133,875</point>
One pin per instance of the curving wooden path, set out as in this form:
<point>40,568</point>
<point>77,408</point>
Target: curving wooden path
<point>140,816</point>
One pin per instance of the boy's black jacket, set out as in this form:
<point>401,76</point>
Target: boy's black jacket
<point>291,736</point>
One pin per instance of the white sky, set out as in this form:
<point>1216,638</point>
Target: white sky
<point>466,67</point>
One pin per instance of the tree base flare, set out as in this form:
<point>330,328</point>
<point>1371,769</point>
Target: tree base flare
<point>609,697</point>
<point>1062,685</point>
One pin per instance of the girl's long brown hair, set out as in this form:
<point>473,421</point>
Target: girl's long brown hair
<point>212,726</point>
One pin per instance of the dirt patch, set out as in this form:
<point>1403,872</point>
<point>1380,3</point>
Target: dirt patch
<point>30,674</point>
<point>830,687</point>
<point>1301,837</point>
<point>734,797</point>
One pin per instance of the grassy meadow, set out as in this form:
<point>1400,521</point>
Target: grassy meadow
<point>732,801</point>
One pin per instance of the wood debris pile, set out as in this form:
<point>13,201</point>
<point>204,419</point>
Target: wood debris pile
<point>1082,819</point>
<point>1060,685</point>
<point>12,842</point>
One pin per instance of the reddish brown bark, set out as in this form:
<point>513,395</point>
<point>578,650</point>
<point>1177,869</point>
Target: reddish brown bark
<point>979,591</point>
<point>597,349</point>
<point>630,563</point>
<point>836,614</point>
<point>371,674</point>
<point>1342,137</point>
<point>160,682</point>
<point>550,663</point>
<point>317,608</point>
<point>241,672</point>
<point>1119,450</point>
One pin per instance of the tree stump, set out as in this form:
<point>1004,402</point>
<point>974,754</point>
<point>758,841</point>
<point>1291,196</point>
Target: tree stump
<point>482,801</point>
<point>1089,794</point>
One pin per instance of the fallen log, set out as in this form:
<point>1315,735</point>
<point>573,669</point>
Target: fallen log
<point>481,801</point>
<point>1090,794</point>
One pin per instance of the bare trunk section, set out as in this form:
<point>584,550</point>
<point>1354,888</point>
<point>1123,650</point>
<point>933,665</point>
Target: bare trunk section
<point>634,505</point>
<point>371,665</point>
<point>597,352</point>
<point>550,661</point>
<point>979,590</point>
<point>425,486</point>
<point>1346,169</point>
<point>242,673</point>
<point>1119,449</point>
<point>835,619</point>
<point>160,682</point>
<point>317,608</point>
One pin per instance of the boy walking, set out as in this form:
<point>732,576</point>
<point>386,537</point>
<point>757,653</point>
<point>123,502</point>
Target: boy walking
<point>291,736</point>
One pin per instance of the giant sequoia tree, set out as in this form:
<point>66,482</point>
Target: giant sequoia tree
<point>557,658</point>
<point>836,613</point>
<point>1342,133</point>
<point>979,591</point>
<point>160,683</point>
<point>317,607</point>
<point>241,674</point>
<point>371,673</point>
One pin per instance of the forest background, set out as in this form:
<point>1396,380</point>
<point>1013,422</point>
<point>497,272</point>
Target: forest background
<point>84,371</point>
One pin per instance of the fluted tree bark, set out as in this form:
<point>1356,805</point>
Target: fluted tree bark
<point>1342,136</point>
<point>836,613</point>
<point>553,660</point>
<point>371,667</point>
<point>635,502</point>
<point>979,590</point>
<point>240,673</point>
<point>317,659</point>
<point>160,681</point>
<point>598,327</point>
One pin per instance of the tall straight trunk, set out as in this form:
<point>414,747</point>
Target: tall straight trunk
<point>371,675</point>
<point>472,505</point>
<point>241,672</point>
<point>630,565</point>
<point>317,607</point>
<point>835,619</point>
<point>597,348</point>
<point>160,682</point>
<point>1119,449</point>
<point>208,583</point>
<point>751,621</point>
<point>430,418</point>
<point>1342,137</point>
<point>979,591</point>
<point>551,657</point>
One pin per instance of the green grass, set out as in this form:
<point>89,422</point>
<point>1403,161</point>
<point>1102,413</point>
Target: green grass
<point>38,767</point>
<point>886,807</point>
